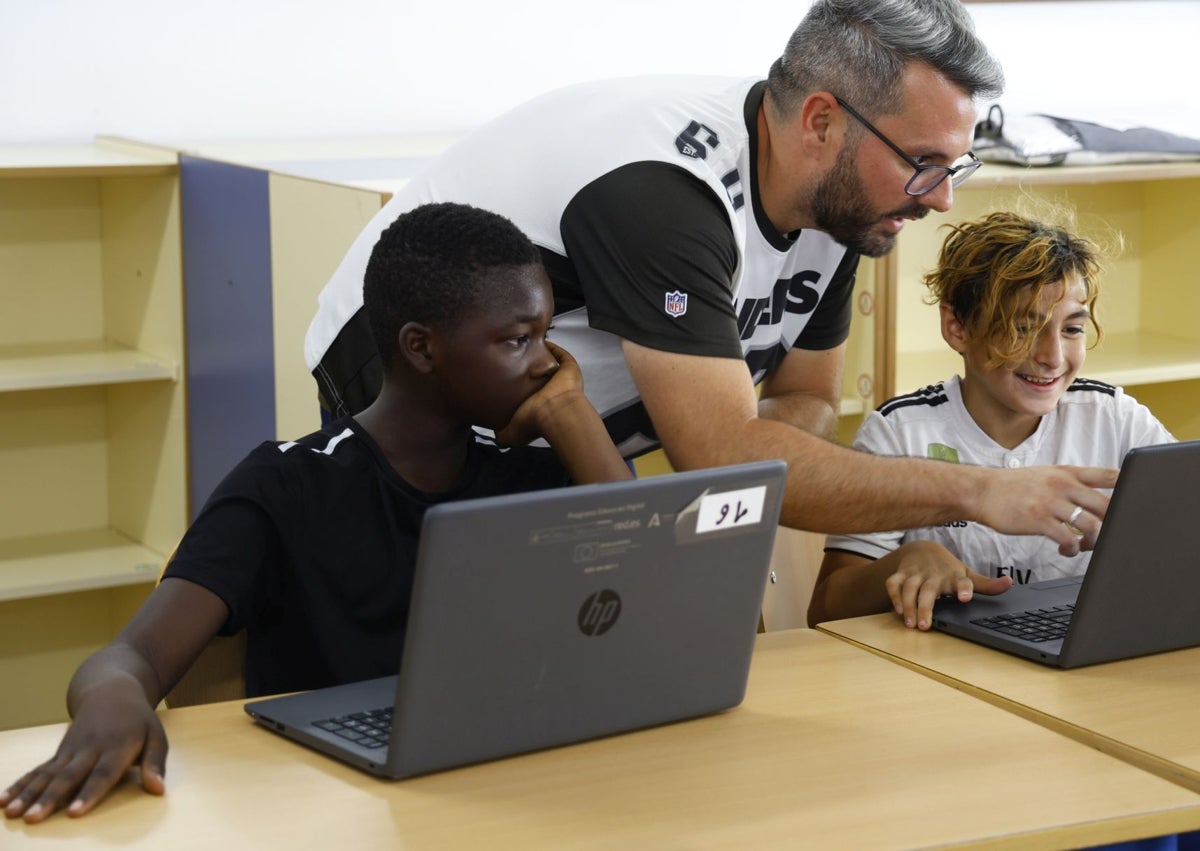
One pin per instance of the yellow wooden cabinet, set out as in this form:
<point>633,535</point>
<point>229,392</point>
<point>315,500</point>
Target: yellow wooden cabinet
<point>92,433</point>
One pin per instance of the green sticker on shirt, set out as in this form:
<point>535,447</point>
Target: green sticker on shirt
<point>941,452</point>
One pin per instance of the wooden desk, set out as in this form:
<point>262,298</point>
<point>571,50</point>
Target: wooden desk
<point>832,747</point>
<point>1143,711</point>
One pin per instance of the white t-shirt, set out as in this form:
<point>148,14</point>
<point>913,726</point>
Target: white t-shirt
<point>1093,425</point>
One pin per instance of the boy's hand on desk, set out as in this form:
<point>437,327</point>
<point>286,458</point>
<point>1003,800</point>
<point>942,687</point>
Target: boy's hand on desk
<point>114,729</point>
<point>927,571</point>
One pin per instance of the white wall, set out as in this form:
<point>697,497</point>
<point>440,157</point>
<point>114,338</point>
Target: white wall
<point>222,70</point>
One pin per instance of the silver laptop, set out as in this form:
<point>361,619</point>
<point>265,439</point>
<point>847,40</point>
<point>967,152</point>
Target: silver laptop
<point>546,618</point>
<point>1141,592</point>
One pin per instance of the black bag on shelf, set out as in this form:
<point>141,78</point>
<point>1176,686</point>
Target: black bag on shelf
<point>1039,139</point>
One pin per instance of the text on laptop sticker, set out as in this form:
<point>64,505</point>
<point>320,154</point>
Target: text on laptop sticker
<point>730,509</point>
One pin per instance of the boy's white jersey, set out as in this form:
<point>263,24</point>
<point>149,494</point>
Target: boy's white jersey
<point>1093,425</point>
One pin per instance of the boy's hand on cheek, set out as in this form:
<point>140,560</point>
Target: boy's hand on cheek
<point>537,413</point>
<point>568,378</point>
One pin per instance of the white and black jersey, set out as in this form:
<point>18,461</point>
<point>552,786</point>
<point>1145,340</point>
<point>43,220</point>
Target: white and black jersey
<point>642,196</point>
<point>1093,425</point>
<point>312,545</point>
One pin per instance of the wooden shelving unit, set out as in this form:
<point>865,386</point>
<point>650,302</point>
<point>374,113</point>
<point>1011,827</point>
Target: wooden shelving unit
<point>92,441</point>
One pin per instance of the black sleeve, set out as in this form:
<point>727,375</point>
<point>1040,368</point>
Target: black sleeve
<point>646,230</point>
<point>232,547</point>
<point>350,374</point>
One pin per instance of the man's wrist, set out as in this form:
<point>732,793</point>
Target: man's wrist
<point>966,489</point>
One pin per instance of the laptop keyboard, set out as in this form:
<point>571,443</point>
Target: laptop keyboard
<point>1037,625</point>
<point>370,729</point>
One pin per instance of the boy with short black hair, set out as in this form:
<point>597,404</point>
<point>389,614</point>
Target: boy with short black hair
<point>310,545</point>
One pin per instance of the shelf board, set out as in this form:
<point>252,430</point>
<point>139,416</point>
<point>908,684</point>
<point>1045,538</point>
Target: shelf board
<point>998,174</point>
<point>99,160</point>
<point>1132,359</point>
<point>47,365</point>
<point>289,155</point>
<point>1126,360</point>
<point>378,164</point>
<point>77,561</point>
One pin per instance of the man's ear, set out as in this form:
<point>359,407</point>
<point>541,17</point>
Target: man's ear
<point>819,116</point>
<point>416,346</point>
<point>819,113</point>
<point>953,331</point>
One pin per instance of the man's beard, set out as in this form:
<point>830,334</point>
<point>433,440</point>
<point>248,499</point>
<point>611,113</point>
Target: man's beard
<point>841,209</point>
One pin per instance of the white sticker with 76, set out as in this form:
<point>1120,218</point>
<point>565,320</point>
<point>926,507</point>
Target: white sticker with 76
<point>730,509</point>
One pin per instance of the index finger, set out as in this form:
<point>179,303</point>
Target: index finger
<point>1097,477</point>
<point>928,595</point>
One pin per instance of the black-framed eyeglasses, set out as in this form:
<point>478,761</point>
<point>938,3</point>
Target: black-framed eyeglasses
<point>925,177</point>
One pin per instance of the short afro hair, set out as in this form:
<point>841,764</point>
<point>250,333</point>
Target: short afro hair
<point>432,264</point>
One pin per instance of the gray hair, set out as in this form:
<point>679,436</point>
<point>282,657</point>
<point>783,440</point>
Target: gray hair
<point>858,49</point>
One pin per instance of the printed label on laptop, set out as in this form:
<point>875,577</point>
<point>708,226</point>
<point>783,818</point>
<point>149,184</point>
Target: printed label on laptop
<point>731,509</point>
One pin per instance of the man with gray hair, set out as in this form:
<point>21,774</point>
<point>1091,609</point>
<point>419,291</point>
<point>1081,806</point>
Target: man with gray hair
<point>703,235</point>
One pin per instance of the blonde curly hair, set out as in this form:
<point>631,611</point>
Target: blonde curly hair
<point>991,270</point>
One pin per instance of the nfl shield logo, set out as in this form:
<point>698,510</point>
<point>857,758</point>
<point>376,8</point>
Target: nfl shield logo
<point>676,303</point>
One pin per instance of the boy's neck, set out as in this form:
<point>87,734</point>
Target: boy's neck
<point>1007,428</point>
<point>423,448</point>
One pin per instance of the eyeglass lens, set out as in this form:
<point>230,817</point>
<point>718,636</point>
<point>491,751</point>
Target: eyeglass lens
<point>929,177</point>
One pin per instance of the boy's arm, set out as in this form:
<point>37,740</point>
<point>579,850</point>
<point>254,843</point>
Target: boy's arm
<point>847,586</point>
<point>111,699</point>
<point>562,414</point>
<point>908,581</point>
<point>578,436</point>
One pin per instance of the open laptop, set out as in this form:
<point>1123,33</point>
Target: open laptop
<point>1141,592</point>
<point>547,618</point>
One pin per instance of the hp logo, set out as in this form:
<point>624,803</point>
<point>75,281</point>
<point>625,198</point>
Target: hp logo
<point>599,612</point>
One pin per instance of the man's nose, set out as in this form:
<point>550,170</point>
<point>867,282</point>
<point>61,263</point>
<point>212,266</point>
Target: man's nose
<point>940,197</point>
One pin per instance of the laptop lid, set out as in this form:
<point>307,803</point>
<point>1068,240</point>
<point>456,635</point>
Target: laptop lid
<point>546,618</point>
<point>1140,592</point>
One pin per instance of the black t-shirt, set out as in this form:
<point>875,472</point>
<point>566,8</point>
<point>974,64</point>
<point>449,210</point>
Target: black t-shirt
<point>312,546</point>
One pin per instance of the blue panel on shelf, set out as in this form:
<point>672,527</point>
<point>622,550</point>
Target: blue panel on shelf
<point>229,320</point>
